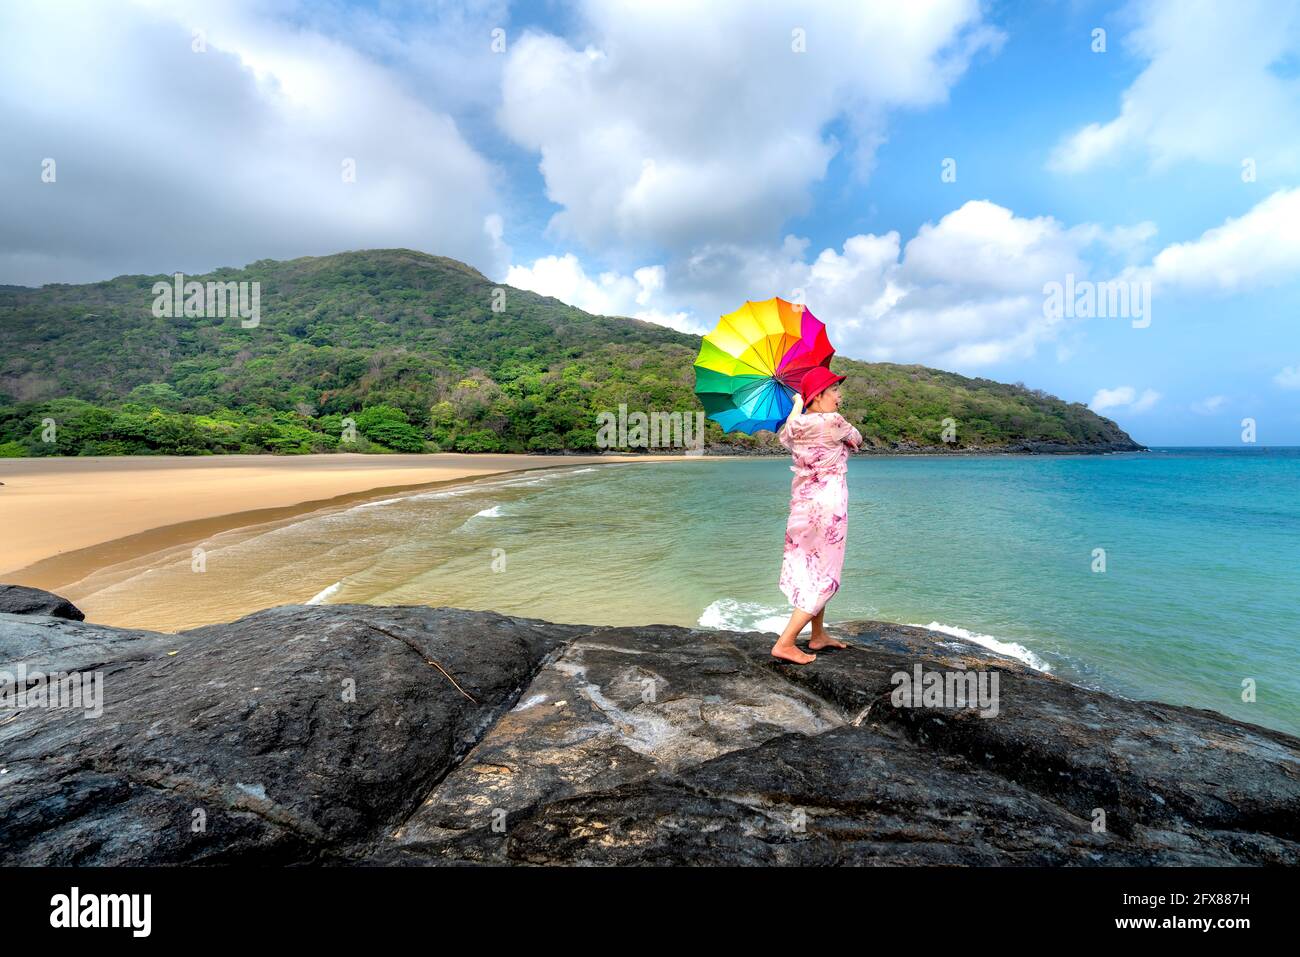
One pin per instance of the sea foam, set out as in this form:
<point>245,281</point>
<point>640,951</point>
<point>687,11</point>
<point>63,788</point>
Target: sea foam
<point>1009,648</point>
<point>727,614</point>
<point>320,597</point>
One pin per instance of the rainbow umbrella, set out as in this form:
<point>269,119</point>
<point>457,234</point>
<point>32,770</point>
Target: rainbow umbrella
<point>750,366</point>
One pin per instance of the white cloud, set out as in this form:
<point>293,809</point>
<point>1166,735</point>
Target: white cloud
<point>1215,89</point>
<point>1209,405</point>
<point>169,158</point>
<point>1111,398</point>
<point>963,292</point>
<point>441,49</point>
<point>1260,247</point>
<point>670,128</point>
<point>1124,397</point>
<point>609,294</point>
<point>966,291</point>
<point>1148,399</point>
<point>671,165</point>
<point>1288,378</point>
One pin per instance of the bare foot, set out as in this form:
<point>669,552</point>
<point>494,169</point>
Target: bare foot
<point>824,640</point>
<point>791,653</point>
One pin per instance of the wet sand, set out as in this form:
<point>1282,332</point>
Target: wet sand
<point>64,518</point>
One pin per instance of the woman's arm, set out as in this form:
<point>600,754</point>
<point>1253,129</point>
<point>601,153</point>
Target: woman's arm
<point>847,433</point>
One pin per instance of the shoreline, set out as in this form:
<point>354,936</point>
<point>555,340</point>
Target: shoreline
<point>69,517</point>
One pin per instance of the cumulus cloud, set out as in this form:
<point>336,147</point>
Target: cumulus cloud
<point>167,158</point>
<point>668,129</point>
<point>1209,405</point>
<point>608,294</point>
<point>673,163</point>
<point>965,291</point>
<point>1260,247</point>
<point>1216,89</point>
<point>1124,397</point>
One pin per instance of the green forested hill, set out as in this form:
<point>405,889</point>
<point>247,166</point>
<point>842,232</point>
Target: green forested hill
<point>410,347</point>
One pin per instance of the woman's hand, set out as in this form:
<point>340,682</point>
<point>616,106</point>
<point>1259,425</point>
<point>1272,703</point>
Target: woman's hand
<point>798,404</point>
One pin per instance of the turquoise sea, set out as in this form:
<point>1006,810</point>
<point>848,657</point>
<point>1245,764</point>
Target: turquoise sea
<point>1198,593</point>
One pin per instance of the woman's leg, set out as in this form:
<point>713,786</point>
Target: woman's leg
<point>785,648</point>
<point>820,639</point>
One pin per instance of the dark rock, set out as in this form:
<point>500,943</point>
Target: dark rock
<point>585,771</point>
<point>597,745</point>
<point>21,600</point>
<point>46,644</point>
<point>619,705</point>
<point>248,729</point>
<point>852,795</point>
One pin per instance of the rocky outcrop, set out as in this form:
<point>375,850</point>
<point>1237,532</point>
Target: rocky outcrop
<point>427,736</point>
<point>272,739</point>
<point>675,746</point>
<point>20,600</point>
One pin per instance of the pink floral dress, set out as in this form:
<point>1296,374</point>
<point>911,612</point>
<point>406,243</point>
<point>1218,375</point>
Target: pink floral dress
<point>819,506</point>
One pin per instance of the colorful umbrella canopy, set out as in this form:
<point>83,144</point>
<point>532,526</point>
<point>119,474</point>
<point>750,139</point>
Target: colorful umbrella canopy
<point>750,366</point>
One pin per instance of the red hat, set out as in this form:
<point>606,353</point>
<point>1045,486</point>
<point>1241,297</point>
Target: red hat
<point>817,380</point>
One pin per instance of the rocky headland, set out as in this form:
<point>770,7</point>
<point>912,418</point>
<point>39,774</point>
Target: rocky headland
<point>351,734</point>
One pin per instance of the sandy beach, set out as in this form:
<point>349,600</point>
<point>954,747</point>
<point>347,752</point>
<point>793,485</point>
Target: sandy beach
<point>63,517</point>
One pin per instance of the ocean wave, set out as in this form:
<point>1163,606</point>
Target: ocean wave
<point>387,501</point>
<point>493,512</point>
<point>320,597</point>
<point>1010,649</point>
<point>439,493</point>
<point>727,614</point>
<point>512,480</point>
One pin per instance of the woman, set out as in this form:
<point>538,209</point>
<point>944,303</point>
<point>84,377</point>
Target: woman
<point>819,441</point>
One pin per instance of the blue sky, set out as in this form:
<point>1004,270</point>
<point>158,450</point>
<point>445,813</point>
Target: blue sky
<point>670,160</point>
